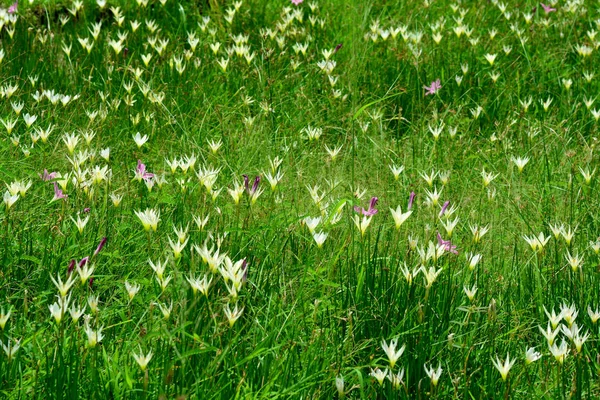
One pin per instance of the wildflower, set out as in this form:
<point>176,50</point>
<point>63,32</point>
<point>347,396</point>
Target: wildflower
<point>430,276</point>
<point>94,337</point>
<point>149,219</point>
<point>399,216</point>
<point>556,230</point>
<point>142,359</point>
<point>140,140</point>
<point>9,199</point>
<point>319,238</point>
<point>177,247</point>
<point>574,261</point>
<point>80,224</point>
<point>58,193</point>
<point>547,9</point>
<point>363,224</point>
<point>274,179</point>
<point>531,355</point>
<point>312,223</point>
<point>488,177</point>
<point>429,178</point>
<point>559,352</point>
<point>537,243</point>
<point>473,260</point>
<point>587,175</point>
<point>132,289</point>
<point>63,288</point>
<point>11,350</point>
<point>568,235</point>
<point>371,211</point>
<point>379,375</point>
<point>433,197</point>
<point>166,310</point>
<point>141,173</point>
<point>396,170</point>
<point>470,292</point>
<point>76,312</point>
<point>47,176</point>
<point>200,285</point>
<point>408,274</point>
<point>505,367</point>
<point>339,386</point>
<point>232,316</point>
<point>4,318</point>
<point>520,162</point>
<point>550,334</point>
<point>116,199</point>
<point>478,232</point>
<point>85,271</point>
<point>569,313</point>
<point>100,246</point>
<point>433,88</point>
<point>553,318</point>
<point>450,225</point>
<point>490,58</point>
<point>396,379</point>
<point>333,153</point>
<point>437,131</point>
<point>433,374</point>
<point>594,315</point>
<point>391,352</point>
<point>446,244</point>
<point>411,200</point>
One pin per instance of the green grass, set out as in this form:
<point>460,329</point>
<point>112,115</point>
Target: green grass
<point>310,314</point>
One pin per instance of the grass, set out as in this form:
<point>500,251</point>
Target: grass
<point>232,94</point>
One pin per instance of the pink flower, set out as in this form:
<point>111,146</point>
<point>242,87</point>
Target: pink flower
<point>435,86</point>
<point>58,193</point>
<point>47,176</point>
<point>13,8</point>
<point>296,2</point>
<point>447,244</point>
<point>140,172</point>
<point>548,9</point>
<point>371,211</point>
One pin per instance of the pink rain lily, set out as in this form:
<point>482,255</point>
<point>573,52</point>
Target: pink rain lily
<point>371,211</point>
<point>411,199</point>
<point>444,207</point>
<point>254,188</point>
<point>435,86</point>
<point>100,246</point>
<point>448,246</point>
<point>141,173</point>
<point>46,176</point>
<point>58,193</point>
<point>548,9</point>
<point>296,2</point>
<point>13,8</point>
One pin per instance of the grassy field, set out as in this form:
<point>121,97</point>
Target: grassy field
<point>263,199</point>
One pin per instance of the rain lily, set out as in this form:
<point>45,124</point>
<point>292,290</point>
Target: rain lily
<point>433,89</point>
<point>371,211</point>
<point>547,9</point>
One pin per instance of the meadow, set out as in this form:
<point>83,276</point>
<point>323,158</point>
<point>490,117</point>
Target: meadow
<point>299,199</point>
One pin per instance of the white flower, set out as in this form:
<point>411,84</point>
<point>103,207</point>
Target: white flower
<point>399,216</point>
<point>505,367</point>
<point>391,352</point>
<point>139,139</point>
<point>433,374</point>
<point>319,238</point>
<point>142,359</point>
<point>149,218</point>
